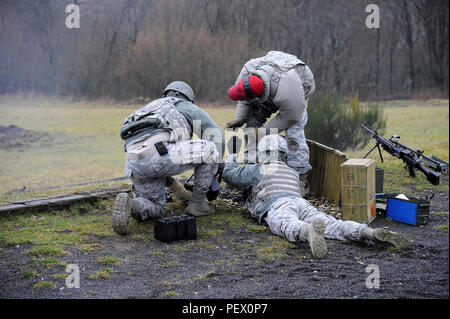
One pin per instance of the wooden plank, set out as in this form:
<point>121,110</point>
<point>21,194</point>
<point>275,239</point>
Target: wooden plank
<point>324,177</point>
<point>24,201</point>
<point>42,203</point>
<point>334,176</point>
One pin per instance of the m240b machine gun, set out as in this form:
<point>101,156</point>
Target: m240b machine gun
<point>411,158</point>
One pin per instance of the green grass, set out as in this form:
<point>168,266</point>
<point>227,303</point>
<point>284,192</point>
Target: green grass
<point>442,214</point>
<point>85,143</point>
<point>171,293</point>
<point>43,285</point>
<point>103,273</point>
<point>87,248</point>
<point>274,248</point>
<point>60,276</point>
<point>108,260</point>
<point>421,125</point>
<point>86,146</point>
<point>442,228</point>
<point>48,261</point>
<point>50,231</point>
<point>173,263</point>
<point>47,250</point>
<point>29,273</point>
<point>57,227</point>
<point>257,228</point>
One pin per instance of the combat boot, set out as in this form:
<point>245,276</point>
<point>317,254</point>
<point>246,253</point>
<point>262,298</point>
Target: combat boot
<point>385,236</point>
<point>314,234</point>
<point>124,208</point>
<point>198,206</point>
<point>180,192</point>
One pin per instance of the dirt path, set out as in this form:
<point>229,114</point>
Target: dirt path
<point>233,257</point>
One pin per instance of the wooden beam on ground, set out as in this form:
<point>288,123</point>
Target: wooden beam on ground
<point>57,201</point>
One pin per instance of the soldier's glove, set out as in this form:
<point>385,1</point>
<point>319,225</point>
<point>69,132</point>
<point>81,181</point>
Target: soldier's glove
<point>234,124</point>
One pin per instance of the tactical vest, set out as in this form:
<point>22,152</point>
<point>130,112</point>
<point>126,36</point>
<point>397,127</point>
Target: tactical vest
<point>157,116</point>
<point>278,179</point>
<point>281,62</point>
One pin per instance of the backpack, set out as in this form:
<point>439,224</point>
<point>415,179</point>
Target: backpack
<point>160,115</point>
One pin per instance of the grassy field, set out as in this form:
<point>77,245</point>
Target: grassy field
<point>83,143</point>
<point>421,125</point>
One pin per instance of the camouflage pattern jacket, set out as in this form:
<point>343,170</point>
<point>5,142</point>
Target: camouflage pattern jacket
<point>265,182</point>
<point>288,83</point>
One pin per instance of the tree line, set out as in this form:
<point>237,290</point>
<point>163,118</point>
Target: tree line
<point>132,48</point>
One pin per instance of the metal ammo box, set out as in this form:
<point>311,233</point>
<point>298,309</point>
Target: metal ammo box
<point>413,211</point>
<point>175,228</point>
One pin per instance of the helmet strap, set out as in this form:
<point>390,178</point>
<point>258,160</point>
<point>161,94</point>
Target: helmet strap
<point>172,93</point>
<point>246,82</point>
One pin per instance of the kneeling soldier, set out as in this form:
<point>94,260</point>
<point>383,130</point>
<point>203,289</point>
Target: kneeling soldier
<point>158,145</point>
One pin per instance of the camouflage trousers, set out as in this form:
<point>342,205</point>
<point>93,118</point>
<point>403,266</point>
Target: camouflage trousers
<point>148,175</point>
<point>298,156</point>
<point>288,217</point>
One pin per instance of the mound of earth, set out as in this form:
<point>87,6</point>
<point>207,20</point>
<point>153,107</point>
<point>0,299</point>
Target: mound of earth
<point>13,137</point>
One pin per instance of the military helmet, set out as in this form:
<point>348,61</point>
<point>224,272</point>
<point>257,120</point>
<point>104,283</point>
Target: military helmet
<point>182,87</point>
<point>273,143</point>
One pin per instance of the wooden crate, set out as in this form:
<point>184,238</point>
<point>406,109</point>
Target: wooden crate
<point>325,175</point>
<point>358,190</point>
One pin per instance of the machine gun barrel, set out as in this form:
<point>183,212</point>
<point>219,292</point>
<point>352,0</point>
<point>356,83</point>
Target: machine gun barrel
<point>368,129</point>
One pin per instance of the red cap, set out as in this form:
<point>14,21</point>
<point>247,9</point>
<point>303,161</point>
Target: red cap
<point>237,92</point>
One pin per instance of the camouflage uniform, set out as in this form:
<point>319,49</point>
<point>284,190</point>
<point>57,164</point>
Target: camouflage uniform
<point>148,172</point>
<point>288,215</point>
<point>149,176</point>
<point>288,84</point>
<point>275,198</point>
<point>298,156</point>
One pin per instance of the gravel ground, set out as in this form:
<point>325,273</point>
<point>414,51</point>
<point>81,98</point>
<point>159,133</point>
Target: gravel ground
<point>232,265</point>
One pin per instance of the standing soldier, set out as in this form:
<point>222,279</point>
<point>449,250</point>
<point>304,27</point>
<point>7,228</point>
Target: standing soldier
<point>158,145</point>
<point>277,82</point>
<point>275,199</point>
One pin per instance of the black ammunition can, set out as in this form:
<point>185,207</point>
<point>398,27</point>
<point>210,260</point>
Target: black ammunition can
<point>181,228</point>
<point>166,230</point>
<point>170,229</point>
<point>191,228</point>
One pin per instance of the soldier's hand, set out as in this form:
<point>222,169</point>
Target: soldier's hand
<point>234,124</point>
<point>231,159</point>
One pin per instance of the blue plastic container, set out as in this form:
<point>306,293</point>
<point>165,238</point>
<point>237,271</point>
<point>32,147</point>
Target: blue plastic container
<point>413,211</point>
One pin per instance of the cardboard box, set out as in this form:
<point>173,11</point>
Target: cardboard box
<point>358,190</point>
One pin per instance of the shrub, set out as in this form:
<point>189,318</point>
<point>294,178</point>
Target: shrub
<point>338,125</point>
